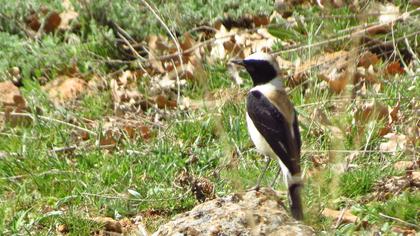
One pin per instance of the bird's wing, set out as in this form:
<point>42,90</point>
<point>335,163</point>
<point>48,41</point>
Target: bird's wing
<point>276,129</point>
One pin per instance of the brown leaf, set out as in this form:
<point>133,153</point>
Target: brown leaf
<point>261,20</point>
<point>218,50</point>
<point>66,18</point>
<point>62,228</point>
<point>109,138</point>
<point>109,224</point>
<point>68,15</point>
<point>394,68</point>
<point>319,160</point>
<point>415,177</point>
<point>394,113</point>
<point>32,21</point>
<point>404,231</point>
<point>385,130</point>
<point>188,42</point>
<point>333,69</point>
<point>347,216</point>
<point>163,102</point>
<point>395,142</point>
<point>65,88</point>
<point>145,132</point>
<point>415,3</point>
<point>52,22</point>
<point>368,58</point>
<point>336,80</point>
<point>391,186</point>
<point>372,110</point>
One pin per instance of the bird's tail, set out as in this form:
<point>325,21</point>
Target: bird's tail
<point>295,201</point>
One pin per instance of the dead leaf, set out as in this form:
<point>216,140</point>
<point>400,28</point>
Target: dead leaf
<point>333,69</point>
<point>116,129</point>
<point>145,132</point>
<point>367,59</point>
<point>64,89</point>
<point>218,50</point>
<point>346,217</point>
<point>394,113</point>
<point>11,101</point>
<point>52,22</point>
<point>62,229</point>
<point>202,188</point>
<point>319,115</point>
<point>261,20</point>
<point>67,16</point>
<point>395,142</point>
<point>388,13</point>
<point>415,177</point>
<point>404,231</point>
<point>415,3</point>
<point>125,94</point>
<point>162,102</point>
<point>319,160</point>
<point>394,185</point>
<point>337,80</point>
<point>234,73</point>
<point>109,224</point>
<point>371,110</point>
<point>394,68</point>
<point>32,21</point>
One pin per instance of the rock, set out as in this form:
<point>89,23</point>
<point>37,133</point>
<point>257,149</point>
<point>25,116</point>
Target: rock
<point>404,165</point>
<point>249,213</point>
<point>7,92</point>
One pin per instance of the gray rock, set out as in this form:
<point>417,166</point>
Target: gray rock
<point>249,213</point>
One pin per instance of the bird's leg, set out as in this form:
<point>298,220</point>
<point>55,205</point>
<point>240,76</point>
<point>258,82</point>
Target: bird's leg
<point>267,163</point>
<point>275,178</point>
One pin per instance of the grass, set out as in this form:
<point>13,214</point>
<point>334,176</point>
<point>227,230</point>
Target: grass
<point>40,189</point>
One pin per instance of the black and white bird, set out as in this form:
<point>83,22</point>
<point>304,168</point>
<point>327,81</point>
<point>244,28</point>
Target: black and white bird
<point>272,123</point>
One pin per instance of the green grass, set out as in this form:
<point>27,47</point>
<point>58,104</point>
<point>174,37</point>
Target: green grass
<point>40,189</point>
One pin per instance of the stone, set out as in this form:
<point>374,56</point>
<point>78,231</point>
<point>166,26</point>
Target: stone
<point>249,213</point>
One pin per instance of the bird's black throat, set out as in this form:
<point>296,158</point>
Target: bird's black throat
<point>261,71</point>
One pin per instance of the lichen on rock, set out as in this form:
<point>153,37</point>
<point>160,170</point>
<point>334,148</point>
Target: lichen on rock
<point>249,213</point>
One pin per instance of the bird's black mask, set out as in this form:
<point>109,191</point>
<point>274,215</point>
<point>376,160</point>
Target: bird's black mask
<point>261,71</point>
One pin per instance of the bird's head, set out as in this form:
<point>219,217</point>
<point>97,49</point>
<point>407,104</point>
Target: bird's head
<point>261,66</point>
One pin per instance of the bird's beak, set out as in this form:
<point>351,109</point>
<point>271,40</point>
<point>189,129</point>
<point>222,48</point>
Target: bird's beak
<point>237,62</point>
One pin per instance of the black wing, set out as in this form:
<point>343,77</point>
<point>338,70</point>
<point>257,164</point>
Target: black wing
<point>272,125</point>
<point>297,132</point>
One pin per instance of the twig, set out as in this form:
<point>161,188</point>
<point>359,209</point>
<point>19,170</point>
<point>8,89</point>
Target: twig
<point>346,151</point>
<point>130,199</point>
<point>138,56</point>
<point>75,147</point>
<point>351,35</point>
<point>33,117</point>
<point>399,220</point>
<point>340,218</point>
<point>411,50</point>
<point>50,172</point>
<point>64,149</point>
<point>175,40</point>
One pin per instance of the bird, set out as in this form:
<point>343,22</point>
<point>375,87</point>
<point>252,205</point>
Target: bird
<point>272,123</point>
